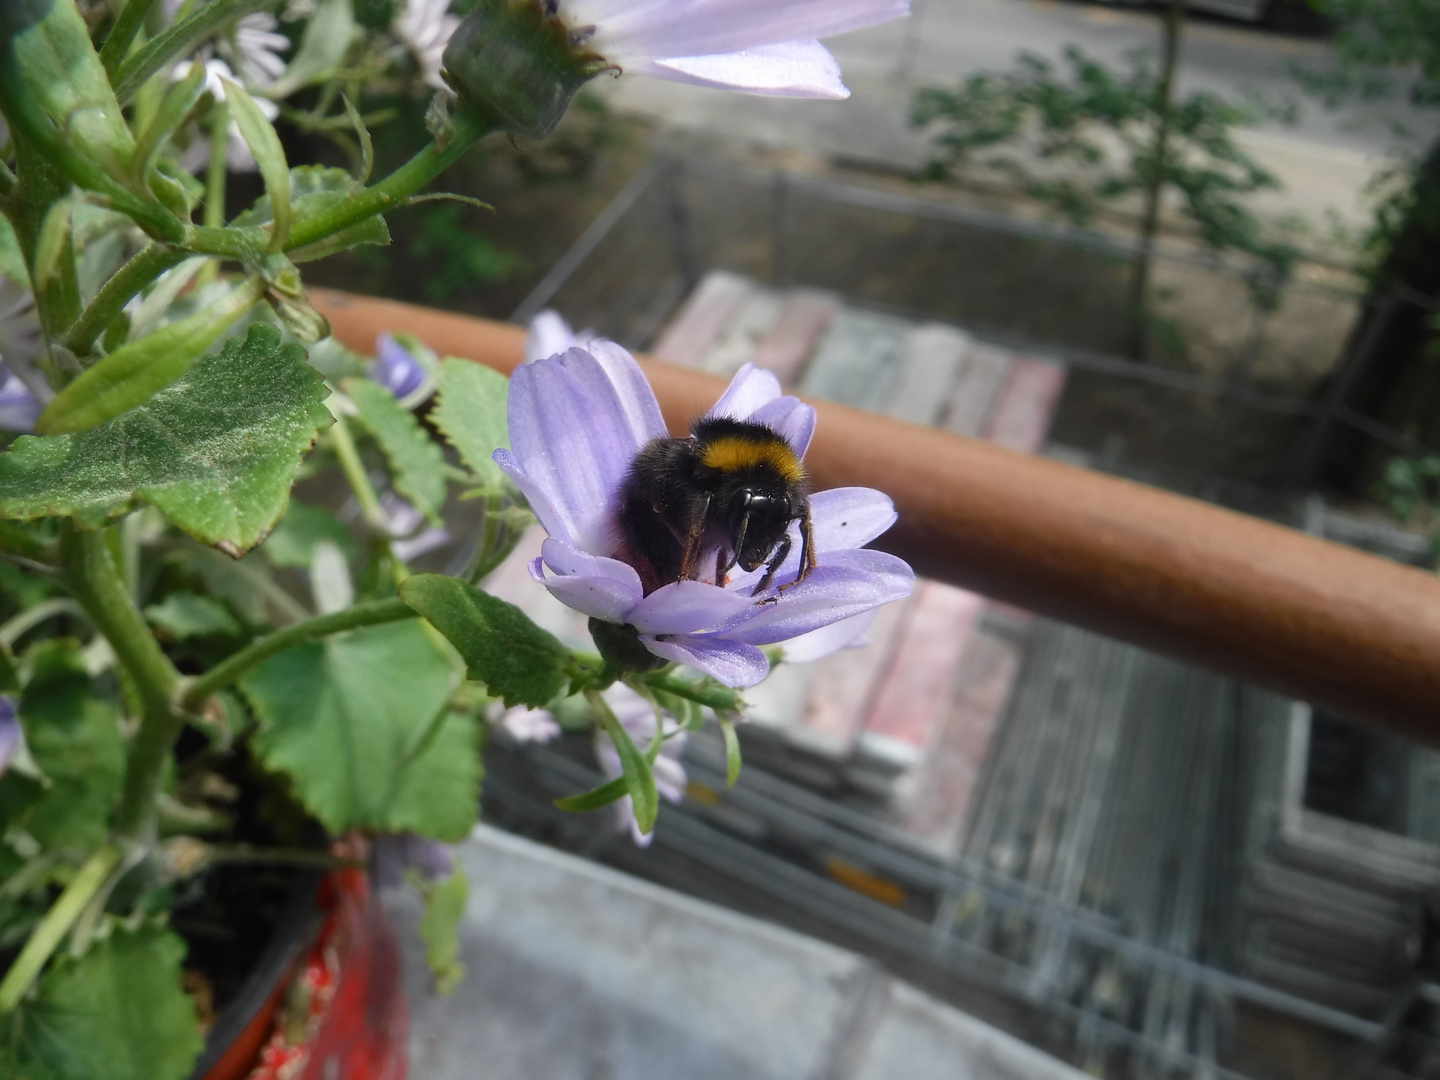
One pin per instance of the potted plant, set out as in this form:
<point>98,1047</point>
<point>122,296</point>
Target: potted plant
<point>212,686</point>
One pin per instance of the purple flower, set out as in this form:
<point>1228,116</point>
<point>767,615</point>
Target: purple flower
<point>19,408</point>
<point>396,368</point>
<point>577,421</point>
<point>394,853</point>
<point>637,716</point>
<point>754,46</point>
<point>12,736</point>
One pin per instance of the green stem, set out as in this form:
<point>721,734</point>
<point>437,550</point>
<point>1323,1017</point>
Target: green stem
<point>226,672</point>
<point>143,268</point>
<point>117,42</point>
<point>96,582</point>
<point>216,172</point>
<point>163,48</point>
<point>354,470</point>
<point>56,924</point>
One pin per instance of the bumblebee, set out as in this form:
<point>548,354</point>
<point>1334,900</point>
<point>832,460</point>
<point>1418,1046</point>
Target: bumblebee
<point>733,487</point>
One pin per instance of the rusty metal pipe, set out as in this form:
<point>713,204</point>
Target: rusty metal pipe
<point>1255,600</point>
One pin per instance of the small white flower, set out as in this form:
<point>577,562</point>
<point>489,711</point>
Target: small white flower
<point>237,154</point>
<point>425,27</point>
<point>754,46</point>
<point>254,50</point>
<point>524,725</point>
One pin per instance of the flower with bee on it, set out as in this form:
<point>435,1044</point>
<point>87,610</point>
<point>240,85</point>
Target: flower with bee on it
<point>580,419</point>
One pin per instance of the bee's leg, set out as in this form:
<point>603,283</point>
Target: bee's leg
<point>689,566</point>
<point>808,560</point>
<point>772,566</point>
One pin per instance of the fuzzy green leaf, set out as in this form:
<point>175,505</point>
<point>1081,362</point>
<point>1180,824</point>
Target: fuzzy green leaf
<point>75,740</point>
<point>516,660</point>
<point>445,903</point>
<point>417,464</point>
<point>66,76</point>
<point>292,542</point>
<point>264,143</point>
<point>116,1013</point>
<point>471,413</point>
<point>185,615</point>
<point>133,373</point>
<point>349,720</point>
<point>216,451</point>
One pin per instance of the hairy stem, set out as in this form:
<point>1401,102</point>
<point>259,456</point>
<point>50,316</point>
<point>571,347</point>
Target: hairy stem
<point>354,470</point>
<point>56,924</point>
<point>96,582</point>
<point>143,268</point>
<point>223,674</point>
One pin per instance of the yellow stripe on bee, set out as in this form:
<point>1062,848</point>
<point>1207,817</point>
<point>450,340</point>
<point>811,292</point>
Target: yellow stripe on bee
<point>731,453</point>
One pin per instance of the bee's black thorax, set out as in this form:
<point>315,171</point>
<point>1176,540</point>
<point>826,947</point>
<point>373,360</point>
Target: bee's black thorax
<point>732,487</point>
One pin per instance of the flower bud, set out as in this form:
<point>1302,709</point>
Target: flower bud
<point>516,64</point>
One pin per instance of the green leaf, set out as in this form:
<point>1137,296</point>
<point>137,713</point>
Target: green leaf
<point>116,1013</point>
<point>12,263</point>
<point>595,798</point>
<point>174,107</point>
<point>184,615</point>
<point>639,780</point>
<point>732,750</point>
<point>215,452</point>
<point>445,903</point>
<point>292,542</point>
<point>471,413</point>
<point>66,76</point>
<point>264,142</point>
<point>345,719</point>
<point>322,49</point>
<point>132,374</point>
<point>516,660</point>
<point>314,189</point>
<point>54,239</point>
<point>75,741</point>
<point>417,464</point>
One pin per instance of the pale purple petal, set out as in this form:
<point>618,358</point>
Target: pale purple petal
<point>550,334</point>
<point>850,517</point>
<point>818,644</point>
<point>527,725</point>
<point>544,508</point>
<point>733,663</point>
<point>670,774</point>
<point>750,389</point>
<point>11,734</point>
<point>652,30</point>
<point>797,69</point>
<point>596,586</point>
<point>685,607</point>
<point>598,597</point>
<point>19,408</point>
<point>636,397</point>
<point>573,439</point>
<point>833,592</point>
<point>395,368</point>
<point>392,854</point>
<point>791,419</point>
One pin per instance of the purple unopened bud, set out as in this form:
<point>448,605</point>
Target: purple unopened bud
<point>11,734</point>
<point>19,408</point>
<point>395,368</point>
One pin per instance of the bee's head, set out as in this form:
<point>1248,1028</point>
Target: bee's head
<point>761,515</point>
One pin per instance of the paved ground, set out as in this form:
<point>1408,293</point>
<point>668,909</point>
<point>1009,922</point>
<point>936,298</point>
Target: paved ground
<point>1324,159</point>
